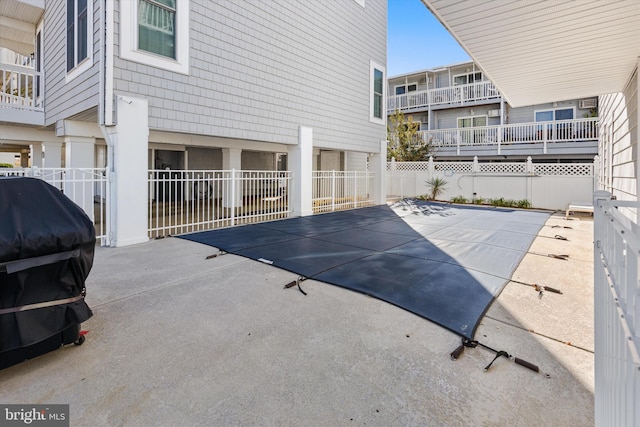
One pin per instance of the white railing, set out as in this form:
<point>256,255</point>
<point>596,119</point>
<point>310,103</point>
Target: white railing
<point>20,87</point>
<point>336,190</point>
<point>541,133</point>
<point>87,187</point>
<point>459,95</point>
<point>184,201</point>
<point>617,312</point>
<point>481,181</point>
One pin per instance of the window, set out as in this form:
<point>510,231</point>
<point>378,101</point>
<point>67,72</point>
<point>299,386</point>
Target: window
<point>463,79</point>
<point>156,32</point>
<point>551,115</point>
<point>79,36</point>
<point>377,113</point>
<point>156,27</point>
<point>469,122</point>
<point>402,89</point>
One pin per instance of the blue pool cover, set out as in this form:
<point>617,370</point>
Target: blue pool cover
<point>442,262</point>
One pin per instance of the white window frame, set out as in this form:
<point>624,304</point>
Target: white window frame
<point>486,120</point>
<point>383,108</point>
<point>129,38</point>
<point>86,63</point>
<point>470,73</point>
<point>554,109</point>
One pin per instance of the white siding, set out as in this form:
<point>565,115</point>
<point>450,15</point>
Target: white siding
<point>619,141</point>
<point>63,100</point>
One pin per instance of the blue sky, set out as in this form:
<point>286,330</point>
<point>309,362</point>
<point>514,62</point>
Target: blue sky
<point>416,40</point>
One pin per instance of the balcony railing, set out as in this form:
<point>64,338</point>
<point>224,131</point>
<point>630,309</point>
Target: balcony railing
<point>541,133</point>
<point>454,95</point>
<point>20,88</point>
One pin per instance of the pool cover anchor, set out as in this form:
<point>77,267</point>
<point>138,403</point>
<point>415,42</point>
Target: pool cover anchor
<point>466,342</point>
<point>296,283</point>
<point>217,254</point>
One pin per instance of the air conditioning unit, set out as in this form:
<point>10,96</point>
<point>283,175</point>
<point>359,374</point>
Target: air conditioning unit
<point>494,113</point>
<point>588,103</point>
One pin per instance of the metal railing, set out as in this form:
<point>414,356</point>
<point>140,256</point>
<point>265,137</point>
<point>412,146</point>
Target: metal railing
<point>20,87</point>
<point>617,311</point>
<point>184,201</point>
<point>87,187</point>
<point>541,133</point>
<point>458,95</point>
<point>337,190</point>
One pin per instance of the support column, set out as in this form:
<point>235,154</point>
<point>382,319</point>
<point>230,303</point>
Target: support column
<point>378,165</point>
<point>301,166</point>
<point>79,153</point>
<point>129,178</point>
<point>232,161</point>
<point>52,154</point>
<point>24,158</point>
<point>36,155</point>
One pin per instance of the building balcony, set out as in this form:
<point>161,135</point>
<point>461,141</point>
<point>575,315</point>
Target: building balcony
<point>21,95</point>
<point>571,137</point>
<point>446,97</point>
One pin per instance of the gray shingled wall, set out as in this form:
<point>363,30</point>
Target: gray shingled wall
<point>259,69</point>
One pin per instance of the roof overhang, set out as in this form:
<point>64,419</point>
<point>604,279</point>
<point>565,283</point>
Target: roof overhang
<point>18,20</point>
<point>545,51</point>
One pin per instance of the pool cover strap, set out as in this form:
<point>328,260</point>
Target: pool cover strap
<point>41,304</point>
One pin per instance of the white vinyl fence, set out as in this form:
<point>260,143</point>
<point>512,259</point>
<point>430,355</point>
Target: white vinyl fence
<point>544,185</point>
<point>183,201</point>
<point>336,190</point>
<point>617,312</point>
<point>87,187</point>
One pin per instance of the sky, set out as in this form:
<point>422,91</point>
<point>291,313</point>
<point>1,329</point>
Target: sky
<point>417,41</point>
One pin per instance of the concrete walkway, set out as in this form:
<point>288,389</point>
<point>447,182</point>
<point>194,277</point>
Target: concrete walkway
<point>177,339</point>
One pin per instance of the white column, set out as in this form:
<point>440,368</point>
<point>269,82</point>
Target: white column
<point>129,180</point>
<point>378,165</point>
<point>232,161</point>
<point>52,154</point>
<point>301,166</point>
<point>36,155</point>
<point>79,153</point>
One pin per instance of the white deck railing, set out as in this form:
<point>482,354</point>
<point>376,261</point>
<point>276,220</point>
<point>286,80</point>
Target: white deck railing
<point>459,95</point>
<point>20,87</point>
<point>541,133</point>
<point>336,190</point>
<point>87,187</point>
<point>184,201</point>
<point>617,311</point>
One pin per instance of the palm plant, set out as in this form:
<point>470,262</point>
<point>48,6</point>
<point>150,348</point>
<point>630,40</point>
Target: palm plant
<point>437,186</point>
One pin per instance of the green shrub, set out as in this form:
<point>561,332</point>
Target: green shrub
<point>478,200</point>
<point>437,186</point>
<point>6,165</point>
<point>459,199</point>
<point>524,204</point>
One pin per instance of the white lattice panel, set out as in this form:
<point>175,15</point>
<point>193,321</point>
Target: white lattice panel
<point>459,167</point>
<point>565,169</point>
<point>502,167</point>
<point>412,166</point>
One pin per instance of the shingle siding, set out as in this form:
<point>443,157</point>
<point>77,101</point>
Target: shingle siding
<point>258,70</point>
<point>619,141</point>
<point>64,100</point>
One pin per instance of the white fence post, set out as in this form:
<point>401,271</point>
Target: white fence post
<point>233,197</point>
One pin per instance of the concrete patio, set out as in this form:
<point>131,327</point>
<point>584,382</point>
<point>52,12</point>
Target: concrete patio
<point>178,339</point>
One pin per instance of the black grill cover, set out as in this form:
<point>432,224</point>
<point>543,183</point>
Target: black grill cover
<point>47,244</point>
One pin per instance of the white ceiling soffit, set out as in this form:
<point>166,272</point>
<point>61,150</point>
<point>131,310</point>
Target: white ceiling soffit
<point>543,51</point>
<point>18,20</point>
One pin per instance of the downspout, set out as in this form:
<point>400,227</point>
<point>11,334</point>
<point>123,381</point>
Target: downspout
<point>105,113</point>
